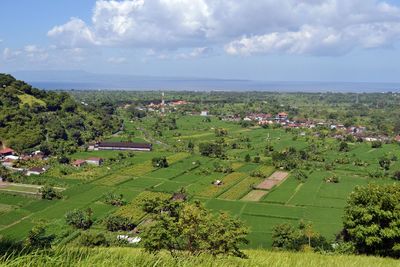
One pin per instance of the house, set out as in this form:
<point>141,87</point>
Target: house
<point>179,103</point>
<point>282,115</point>
<point>35,171</point>
<point>123,146</point>
<point>6,152</point>
<point>204,113</point>
<point>79,163</point>
<point>8,163</point>
<point>397,139</point>
<point>94,161</point>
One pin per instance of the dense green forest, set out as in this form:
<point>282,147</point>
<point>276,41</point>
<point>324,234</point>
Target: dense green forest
<point>50,121</point>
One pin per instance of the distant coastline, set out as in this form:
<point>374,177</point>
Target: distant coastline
<point>81,80</point>
<point>227,85</point>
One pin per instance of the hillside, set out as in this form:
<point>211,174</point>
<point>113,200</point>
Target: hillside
<point>53,122</point>
<point>135,257</point>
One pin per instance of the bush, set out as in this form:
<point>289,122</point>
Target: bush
<point>396,175</point>
<point>37,238</point>
<point>304,238</point>
<point>115,200</point>
<point>344,147</point>
<point>88,239</point>
<point>116,223</point>
<point>376,144</point>
<point>80,219</point>
<point>159,162</point>
<point>49,193</point>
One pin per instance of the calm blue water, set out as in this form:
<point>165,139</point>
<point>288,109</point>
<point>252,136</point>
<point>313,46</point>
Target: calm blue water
<point>225,85</point>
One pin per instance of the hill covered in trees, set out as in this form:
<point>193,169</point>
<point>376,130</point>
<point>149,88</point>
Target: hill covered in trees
<point>50,121</point>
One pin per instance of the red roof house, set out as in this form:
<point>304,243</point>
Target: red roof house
<point>79,162</point>
<point>6,152</point>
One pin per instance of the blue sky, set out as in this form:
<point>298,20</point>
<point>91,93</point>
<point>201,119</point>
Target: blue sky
<point>286,40</point>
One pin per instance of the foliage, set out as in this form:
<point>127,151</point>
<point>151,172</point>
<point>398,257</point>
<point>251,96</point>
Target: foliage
<point>302,238</point>
<point>30,118</point>
<point>159,162</point>
<point>50,193</point>
<point>114,199</point>
<point>211,150</point>
<point>81,219</point>
<point>371,220</point>
<point>89,239</point>
<point>385,162</point>
<point>192,228</point>
<point>116,223</point>
<point>300,175</point>
<point>344,147</point>
<point>376,144</point>
<point>222,167</point>
<point>37,238</point>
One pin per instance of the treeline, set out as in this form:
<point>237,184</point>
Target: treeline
<point>376,111</point>
<point>52,122</point>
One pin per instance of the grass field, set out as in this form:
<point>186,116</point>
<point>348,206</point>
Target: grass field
<point>133,176</point>
<point>135,257</point>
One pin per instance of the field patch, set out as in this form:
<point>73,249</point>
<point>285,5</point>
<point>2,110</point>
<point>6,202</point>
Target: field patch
<point>254,195</point>
<point>227,181</point>
<point>275,179</point>
<point>240,189</point>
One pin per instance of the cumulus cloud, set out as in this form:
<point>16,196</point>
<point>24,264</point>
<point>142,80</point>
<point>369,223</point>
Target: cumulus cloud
<point>321,27</point>
<point>313,40</point>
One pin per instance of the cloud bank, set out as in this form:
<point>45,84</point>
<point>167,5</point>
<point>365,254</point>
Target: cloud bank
<point>245,27</point>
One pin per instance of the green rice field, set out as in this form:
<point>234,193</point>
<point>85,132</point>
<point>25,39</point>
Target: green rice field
<point>134,176</point>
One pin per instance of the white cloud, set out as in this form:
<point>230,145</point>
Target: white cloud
<point>74,33</point>
<point>318,40</point>
<point>196,53</point>
<point>10,54</point>
<point>323,27</point>
<point>117,60</point>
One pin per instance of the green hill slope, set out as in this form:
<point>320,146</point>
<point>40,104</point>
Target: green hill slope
<point>135,257</point>
<point>51,121</point>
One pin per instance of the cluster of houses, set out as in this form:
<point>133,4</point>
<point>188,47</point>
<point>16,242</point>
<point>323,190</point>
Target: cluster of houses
<point>161,105</point>
<point>8,159</point>
<point>282,118</point>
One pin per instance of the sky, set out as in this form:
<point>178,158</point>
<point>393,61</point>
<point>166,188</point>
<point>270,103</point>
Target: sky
<point>268,40</point>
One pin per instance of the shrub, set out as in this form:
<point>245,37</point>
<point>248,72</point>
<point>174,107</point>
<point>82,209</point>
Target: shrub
<point>344,147</point>
<point>49,193</point>
<point>304,238</point>
<point>396,175</point>
<point>159,162</point>
<point>116,223</point>
<point>88,239</point>
<point>37,238</point>
<point>115,200</point>
<point>376,144</point>
<point>79,218</point>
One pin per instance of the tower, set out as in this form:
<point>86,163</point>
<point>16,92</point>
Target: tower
<point>162,102</point>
